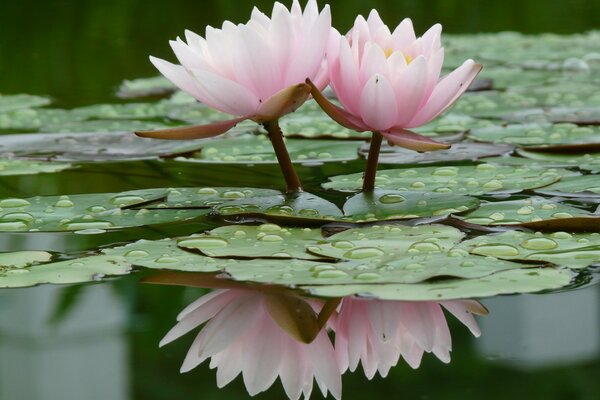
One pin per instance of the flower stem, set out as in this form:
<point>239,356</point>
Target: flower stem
<point>372,159</point>
<point>285,163</point>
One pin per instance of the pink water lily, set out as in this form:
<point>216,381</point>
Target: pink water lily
<point>377,333</point>
<point>389,82</point>
<point>243,334</point>
<point>253,71</point>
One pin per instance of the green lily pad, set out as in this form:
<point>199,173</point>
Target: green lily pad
<point>526,280</point>
<point>22,259</point>
<point>31,119</point>
<point>575,115</point>
<point>257,149</point>
<point>464,151</point>
<point>574,186</point>
<point>389,204</point>
<point>537,135</point>
<point>264,241</point>
<point>157,85</point>
<point>92,146</point>
<point>575,250</point>
<point>123,111</point>
<point>65,272</point>
<point>10,167</point>
<point>587,161</point>
<point>516,212</point>
<point>103,125</point>
<point>473,180</point>
<point>99,211</point>
<point>18,101</point>
<point>450,124</point>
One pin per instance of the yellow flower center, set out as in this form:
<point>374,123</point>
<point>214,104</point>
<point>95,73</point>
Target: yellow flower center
<point>388,51</point>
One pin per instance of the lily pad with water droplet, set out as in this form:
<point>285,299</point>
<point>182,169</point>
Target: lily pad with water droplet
<point>573,250</point>
<point>525,280</point>
<point>468,180</point>
<point>99,211</point>
<point>34,119</point>
<point>584,161</point>
<point>538,134</point>
<point>458,152</point>
<point>80,270</point>
<point>574,186</point>
<point>519,212</point>
<point>13,102</point>
<point>22,259</point>
<point>390,204</point>
<point>11,167</point>
<point>257,149</point>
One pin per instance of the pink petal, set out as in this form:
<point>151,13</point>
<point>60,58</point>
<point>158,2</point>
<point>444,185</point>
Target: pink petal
<point>374,62</point>
<point>435,64</point>
<point>375,22</point>
<point>200,301</point>
<point>344,78</point>
<point>181,78</point>
<point>226,95</point>
<point>431,40</point>
<point>292,370</point>
<point>418,321</point>
<point>447,91</point>
<point>378,106</point>
<point>325,367</point>
<point>410,89</point>
<point>404,35</point>
<point>228,363</point>
<point>458,309</point>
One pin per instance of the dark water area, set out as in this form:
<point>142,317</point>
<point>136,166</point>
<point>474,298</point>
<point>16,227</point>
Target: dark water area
<point>79,51</point>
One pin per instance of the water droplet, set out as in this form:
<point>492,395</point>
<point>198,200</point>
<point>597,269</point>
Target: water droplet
<point>233,194</point>
<point>561,235</point>
<point>424,247</point>
<point>13,202</point>
<point>391,199</point>
<point>467,264</point>
<point>331,274</point>
<point>239,234</point>
<point>64,203</point>
<point>166,260</point>
<point>96,209</point>
<point>497,216</point>
<point>494,184</point>
<point>18,271</point>
<point>125,200</point>
<point>18,216</point>
<point>207,191</point>
<point>269,228</point>
<point>417,185</point>
<point>367,276</point>
<point>526,210</point>
<point>343,244</point>
<point>271,238</point>
<point>363,252</point>
<point>539,244</point>
<point>562,215</point>
<point>446,171</point>
<point>497,250</point>
<point>207,242</point>
<point>308,212</point>
<point>137,253</point>
<point>78,226</point>
<point>322,267</point>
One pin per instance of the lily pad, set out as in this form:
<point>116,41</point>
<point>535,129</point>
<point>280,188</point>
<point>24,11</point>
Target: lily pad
<point>473,180</point>
<point>575,250</point>
<point>257,149</point>
<point>99,211</point>
<point>574,186</point>
<point>10,167</point>
<point>103,125</point>
<point>586,161</point>
<point>32,119</point>
<point>537,135</point>
<point>464,151</point>
<point>92,146</point>
<point>516,212</point>
<point>143,87</point>
<point>575,115</point>
<point>526,280</point>
<point>18,101</point>
<point>22,259</point>
<point>390,204</point>
<point>80,270</point>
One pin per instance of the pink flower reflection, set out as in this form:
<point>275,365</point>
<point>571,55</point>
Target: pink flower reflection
<point>241,336</point>
<point>376,333</point>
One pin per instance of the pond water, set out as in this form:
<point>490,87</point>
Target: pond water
<point>99,339</point>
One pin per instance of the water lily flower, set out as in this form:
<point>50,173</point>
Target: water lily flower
<point>253,71</point>
<point>253,333</point>
<point>389,82</point>
<point>377,333</point>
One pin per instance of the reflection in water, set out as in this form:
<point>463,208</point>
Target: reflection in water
<point>540,331</point>
<point>82,356</point>
<point>264,336</point>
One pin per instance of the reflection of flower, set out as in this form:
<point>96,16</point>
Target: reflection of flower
<point>241,336</point>
<point>240,69</point>
<point>389,81</point>
<point>376,333</point>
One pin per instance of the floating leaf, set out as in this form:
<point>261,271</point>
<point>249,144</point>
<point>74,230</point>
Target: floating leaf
<point>587,161</point>
<point>575,115</point>
<point>22,259</point>
<point>31,119</point>
<point>562,248</point>
<point>257,149</point>
<point>526,280</point>
<point>389,204</point>
<point>9,167</point>
<point>143,87</point>
<point>18,101</point>
<point>515,212</point>
<point>102,125</point>
<point>574,186</point>
<point>474,180</point>
<point>537,134</point>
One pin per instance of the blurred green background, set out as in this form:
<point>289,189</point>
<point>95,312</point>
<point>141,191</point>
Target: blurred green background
<point>78,51</point>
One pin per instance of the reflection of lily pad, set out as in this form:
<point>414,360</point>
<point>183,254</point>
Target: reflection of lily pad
<point>524,280</point>
<point>513,212</point>
<point>535,134</point>
<point>475,180</point>
<point>570,250</point>
<point>258,149</point>
<point>10,167</point>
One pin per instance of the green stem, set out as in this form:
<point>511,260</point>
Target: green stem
<point>372,159</point>
<point>285,163</point>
